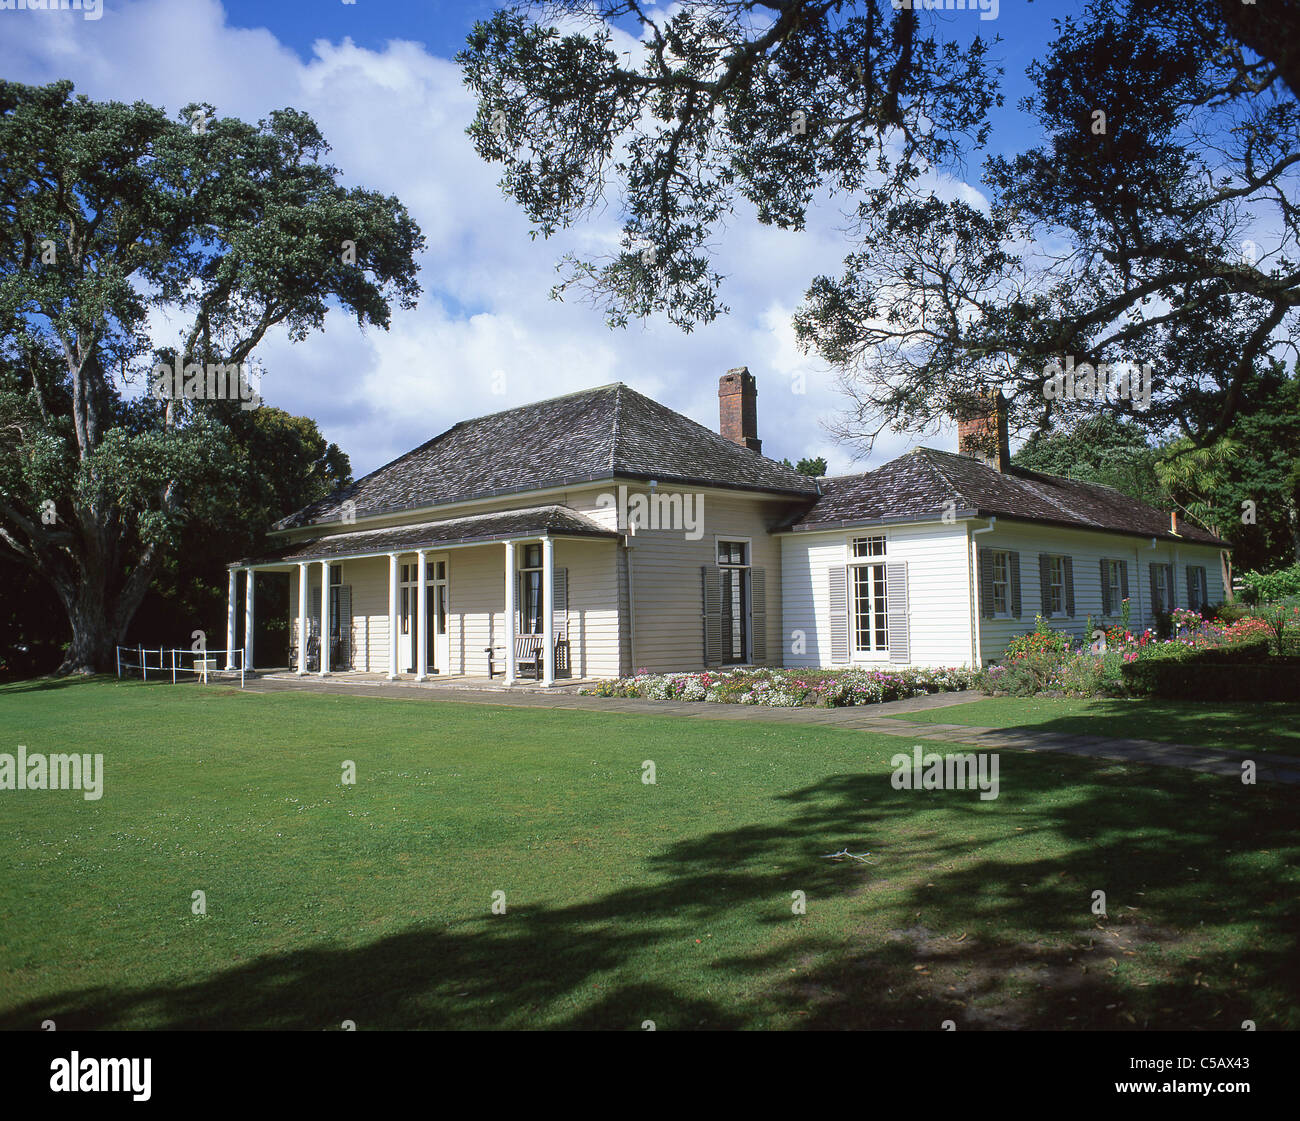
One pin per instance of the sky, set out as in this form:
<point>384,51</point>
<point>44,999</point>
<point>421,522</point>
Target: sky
<point>379,78</point>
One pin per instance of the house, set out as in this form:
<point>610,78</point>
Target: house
<point>610,533</point>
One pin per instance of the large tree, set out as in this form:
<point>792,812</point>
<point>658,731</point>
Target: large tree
<point>115,216</point>
<point>1155,223</point>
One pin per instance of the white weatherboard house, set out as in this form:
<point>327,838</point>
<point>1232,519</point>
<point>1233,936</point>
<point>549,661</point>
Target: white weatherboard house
<point>599,533</point>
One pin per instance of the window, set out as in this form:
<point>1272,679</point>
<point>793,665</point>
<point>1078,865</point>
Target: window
<point>1001,583</point>
<point>733,566</point>
<point>531,602</point>
<point>1114,586</point>
<point>1055,600</point>
<point>1160,587</point>
<point>867,587</point>
<point>1196,593</point>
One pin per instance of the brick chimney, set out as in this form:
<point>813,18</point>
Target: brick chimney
<point>982,431</point>
<point>738,408</point>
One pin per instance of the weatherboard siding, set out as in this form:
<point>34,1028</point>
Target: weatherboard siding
<point>938,593</point>
<point>1087,549</point>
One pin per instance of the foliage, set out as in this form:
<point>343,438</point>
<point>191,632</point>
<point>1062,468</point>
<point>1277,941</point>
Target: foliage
<point>788,688</point>
<point>117,217</point>
<point>813,468</point>
<point>1266,587</point>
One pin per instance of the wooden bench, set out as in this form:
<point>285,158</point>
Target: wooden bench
<point>528,656</point>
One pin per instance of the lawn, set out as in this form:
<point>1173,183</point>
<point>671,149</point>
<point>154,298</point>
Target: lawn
<point>625,902</point>
<point>1260,726</point>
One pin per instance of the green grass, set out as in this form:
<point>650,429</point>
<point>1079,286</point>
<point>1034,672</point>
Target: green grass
<point>1232,726</point>
<point>626,902</point>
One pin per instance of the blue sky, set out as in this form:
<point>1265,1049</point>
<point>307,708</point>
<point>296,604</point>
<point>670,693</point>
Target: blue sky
<point>378,76</point>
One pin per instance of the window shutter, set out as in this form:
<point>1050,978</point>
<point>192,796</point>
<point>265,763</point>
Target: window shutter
<point>1067,575</point>
<point>560,603</point>
<point>1105,586</point>
<point>709,579</point>
<point>345,626</point>
<point>1169,583</point>
<point>758,615</point>
<point>896,611</point>
<point>986,581</point>
<point>1044,585</point>
<point>520,618</point>
<point>313,620</point>
<point>1155,603</point>
<point>838,576</point>
<point>1123,582</point>
<point>1191,586</point>
<point>1013,572</point>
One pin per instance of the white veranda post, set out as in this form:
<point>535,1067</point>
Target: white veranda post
<point>392,616</point>
<point>548,611</point>
<point>248,618</point>
<point>510,613</point>
<point>421,617</point>
<point>231,596</point>
<point>302,618</point>
<point>324,617</point>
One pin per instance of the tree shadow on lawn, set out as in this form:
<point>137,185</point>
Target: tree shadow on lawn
<point>979,914</point>
<point>1260,726</point>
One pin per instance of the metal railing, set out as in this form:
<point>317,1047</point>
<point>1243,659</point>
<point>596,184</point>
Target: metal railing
<point>164,660</point>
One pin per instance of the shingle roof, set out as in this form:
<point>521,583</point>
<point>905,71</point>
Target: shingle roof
<point>609,432</point>
<point>923,483</point>
<point>554,520</point>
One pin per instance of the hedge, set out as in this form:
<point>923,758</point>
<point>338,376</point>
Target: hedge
<point>1277,679</point>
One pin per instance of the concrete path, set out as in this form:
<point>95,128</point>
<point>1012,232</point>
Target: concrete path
<point>1270,767</point>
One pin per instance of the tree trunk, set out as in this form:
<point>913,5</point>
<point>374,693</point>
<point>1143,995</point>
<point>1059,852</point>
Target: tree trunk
<point>93,641</point>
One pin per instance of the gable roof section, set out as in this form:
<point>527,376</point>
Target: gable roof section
<point>923,482</point>
<point>609,432</point>
<point>553,520</point>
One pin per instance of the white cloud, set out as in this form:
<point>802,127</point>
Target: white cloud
<point>395,119</point>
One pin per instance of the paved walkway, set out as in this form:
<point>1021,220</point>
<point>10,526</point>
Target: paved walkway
<point>867,718</point>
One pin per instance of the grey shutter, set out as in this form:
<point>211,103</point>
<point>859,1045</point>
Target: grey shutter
<point>519,603</point>
<point>1105,587</point>
<point>1155,606</point>
<point>345,626</point>
<point>758,615</point>
<point>1169,583</point>
<point>560,602</point>
<point>986,581</point>
<point>838,576</point>
<point>1067,575</point>
<point>1013,574</point>
<point>1123,582</point>
<point>1191,586</point>
<point>1044,585</point>
<point>896,611</point>
<point>709,580</point>
<point>313,620</point>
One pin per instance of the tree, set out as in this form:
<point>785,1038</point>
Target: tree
<point>1133,233</point>
<point>113,213</point>
<point>813,468</point>
<point>728,102</point>
<point>1100,449</point>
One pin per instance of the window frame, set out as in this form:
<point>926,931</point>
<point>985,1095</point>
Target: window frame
<point>1055,605</point>
<point>1003,555</point>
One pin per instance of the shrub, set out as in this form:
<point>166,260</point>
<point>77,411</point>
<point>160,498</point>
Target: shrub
<point>1041,640</point>
<point>1265,587</point>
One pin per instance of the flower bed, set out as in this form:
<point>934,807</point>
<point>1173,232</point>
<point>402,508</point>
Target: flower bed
<point>1055,663</point>
<point>789,688</point>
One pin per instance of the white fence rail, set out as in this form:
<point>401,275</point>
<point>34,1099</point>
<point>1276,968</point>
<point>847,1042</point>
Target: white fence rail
<point>176,661</point>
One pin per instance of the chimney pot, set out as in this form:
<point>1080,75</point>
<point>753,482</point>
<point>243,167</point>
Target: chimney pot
<point>738,408</point>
